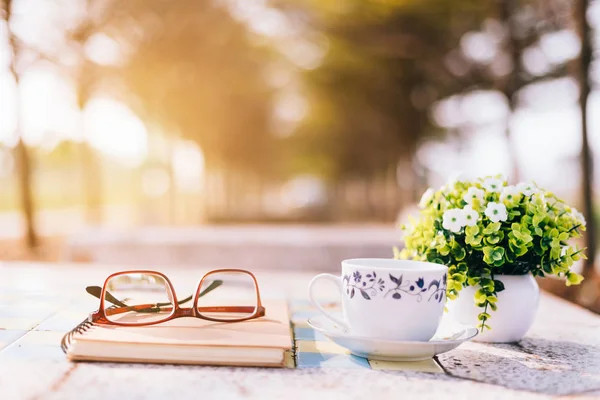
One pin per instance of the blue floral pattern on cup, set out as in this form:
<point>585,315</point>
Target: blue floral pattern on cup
<point>367,288</point>
<point>370,285</point>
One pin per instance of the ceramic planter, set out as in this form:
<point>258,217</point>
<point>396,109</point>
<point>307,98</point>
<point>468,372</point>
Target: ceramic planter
<point>517,307</point>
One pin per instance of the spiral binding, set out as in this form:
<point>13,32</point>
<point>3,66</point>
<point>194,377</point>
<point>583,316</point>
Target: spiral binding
<point>81,328</point>
<point>84,326</point>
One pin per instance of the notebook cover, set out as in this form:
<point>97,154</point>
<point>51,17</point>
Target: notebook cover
<point>270,333</point>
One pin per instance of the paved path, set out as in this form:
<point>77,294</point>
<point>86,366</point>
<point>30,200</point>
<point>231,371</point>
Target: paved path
<point>40,302</point>
<point>287,247</point>
<point>62,222</point>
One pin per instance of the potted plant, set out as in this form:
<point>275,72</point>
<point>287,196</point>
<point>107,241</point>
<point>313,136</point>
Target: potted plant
<point>495,239</point>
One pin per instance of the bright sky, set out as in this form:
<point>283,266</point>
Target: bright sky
<point>546,132</point>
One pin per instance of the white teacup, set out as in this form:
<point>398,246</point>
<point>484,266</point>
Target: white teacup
<point>389,299</point>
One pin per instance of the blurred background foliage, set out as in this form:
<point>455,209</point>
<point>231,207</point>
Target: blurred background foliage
<point>145,112</point>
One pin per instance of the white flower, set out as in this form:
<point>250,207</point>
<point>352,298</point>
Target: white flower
<point>454,220</point>
<point>473,193</point>
<point>426,198</point>
<point>527,188</point>
<point>496,212</point>
<point>493,184</point>
<point>471,216</point>
<point>578,216</point>
<point>510,193</point>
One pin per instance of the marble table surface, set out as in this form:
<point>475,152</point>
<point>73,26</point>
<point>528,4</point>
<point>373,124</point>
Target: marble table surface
<point>560,357</point>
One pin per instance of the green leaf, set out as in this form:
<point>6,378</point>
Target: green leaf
<point>498,253</point>
<point>473,281</point>
<point>487,255</point>
<point>400,254</point>
<point>456,286</point>
<point>526,238</point>
<point>516,235</point>
<point>486,281</point>
<point>518,250</point>
<point>480,296</point>
<point>459,253</point>
<point>472,230</point>
<point>498,285</point>
<point>445,250</point>
<point>492,228</point>
<point>493,239</point>
<point>563,236</point>
<point>537,219</point>
<point>474,241</point>
<point>573,278</point>
<point>483,316</point>
<point>513,213</point>
<point>462,267</point>
<point>510,256</point>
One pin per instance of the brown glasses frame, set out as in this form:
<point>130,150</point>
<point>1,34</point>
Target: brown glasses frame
<point>100,316</point>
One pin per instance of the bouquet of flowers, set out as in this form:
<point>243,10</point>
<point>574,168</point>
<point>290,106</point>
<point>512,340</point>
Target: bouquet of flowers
<point>484,228</point>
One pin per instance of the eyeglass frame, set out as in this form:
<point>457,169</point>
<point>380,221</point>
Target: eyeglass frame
<point>100,317</point>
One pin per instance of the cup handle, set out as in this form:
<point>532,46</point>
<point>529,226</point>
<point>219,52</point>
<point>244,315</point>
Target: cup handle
<point>338,282</point>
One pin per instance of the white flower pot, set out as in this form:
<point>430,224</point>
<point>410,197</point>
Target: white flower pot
<point>517,307</point>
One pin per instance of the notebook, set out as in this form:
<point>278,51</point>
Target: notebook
<point>264,342</point>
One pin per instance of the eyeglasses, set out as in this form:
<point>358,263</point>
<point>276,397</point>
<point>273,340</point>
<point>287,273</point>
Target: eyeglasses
<point>141,297</point>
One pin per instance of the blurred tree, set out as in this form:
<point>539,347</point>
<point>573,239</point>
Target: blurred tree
<point>22,156</point>
<point>389,62</point>
<point>194,73</point>
<point>585,60</point>
<point>86,77</point>
<point>386,64</point>
<point>525,24</point>
<point>510,84</point>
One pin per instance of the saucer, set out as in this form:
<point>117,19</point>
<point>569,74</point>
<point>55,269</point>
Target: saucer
<point>449,336</point>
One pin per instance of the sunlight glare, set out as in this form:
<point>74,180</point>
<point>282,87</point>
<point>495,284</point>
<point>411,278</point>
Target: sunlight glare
<point>48,105</point>
<point>103,50</point>
<point>188,166</point>
<point>114,129</point>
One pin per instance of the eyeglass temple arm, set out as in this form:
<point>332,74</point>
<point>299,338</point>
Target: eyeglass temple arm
<point>96,291</point>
